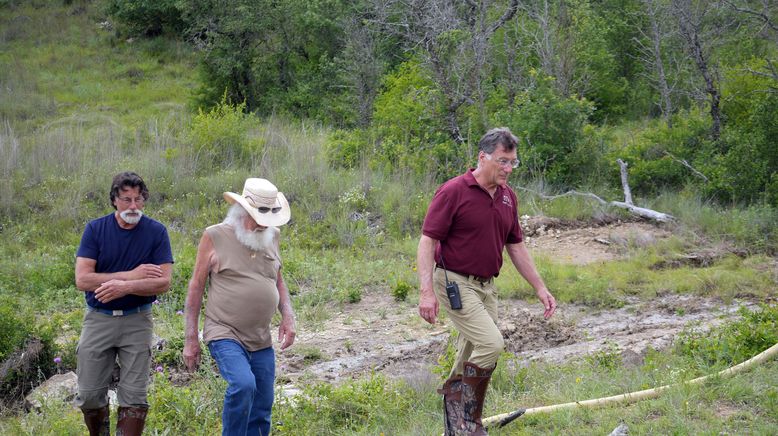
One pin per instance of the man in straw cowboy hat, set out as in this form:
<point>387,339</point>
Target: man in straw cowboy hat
<point>123,263</point>
<point>470,220</point>
<point>241,258</point>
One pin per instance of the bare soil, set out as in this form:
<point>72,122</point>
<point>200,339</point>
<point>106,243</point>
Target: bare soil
<point>383,336</point>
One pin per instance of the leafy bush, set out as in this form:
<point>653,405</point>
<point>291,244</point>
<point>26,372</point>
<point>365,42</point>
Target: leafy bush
<point>171,354</point>
<point>408,130</point>
<point>146,17</point>
<point>220,135</point>
<point>554,142</point>
<point>400,290</point>
<point>345,148</point>
<point>735,341</point>
<point>654,155</point>
<point>15,328</point>
<point>747,171</point>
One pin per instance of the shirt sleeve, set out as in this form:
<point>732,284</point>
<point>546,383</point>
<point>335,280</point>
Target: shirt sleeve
<point>440,215</point>
<point>162,252</point>
<point>88,248</point>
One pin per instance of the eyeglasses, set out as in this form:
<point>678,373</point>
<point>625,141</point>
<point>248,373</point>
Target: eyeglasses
<point>269,209</point>
<point>128,200</point>
<point>505,163</point>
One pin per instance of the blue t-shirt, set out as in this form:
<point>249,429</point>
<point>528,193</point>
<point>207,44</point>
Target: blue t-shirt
<point>116,249</point>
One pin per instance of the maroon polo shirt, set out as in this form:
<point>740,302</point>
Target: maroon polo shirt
<point>472,227</point>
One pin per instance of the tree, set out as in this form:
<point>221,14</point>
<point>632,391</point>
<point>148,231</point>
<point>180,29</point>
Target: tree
<point>698,29</point>
<point>652,51</point>
<point>453,40</point>
<point>765,14</point>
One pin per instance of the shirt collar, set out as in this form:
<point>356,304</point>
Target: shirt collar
<point>471,181</point>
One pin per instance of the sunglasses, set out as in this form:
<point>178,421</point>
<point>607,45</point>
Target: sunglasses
<point>269,209</point>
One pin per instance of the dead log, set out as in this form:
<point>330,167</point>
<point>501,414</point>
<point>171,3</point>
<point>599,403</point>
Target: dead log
<point>626,204</point>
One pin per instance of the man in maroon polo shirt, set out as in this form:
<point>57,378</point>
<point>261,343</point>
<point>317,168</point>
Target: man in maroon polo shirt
<point>470,220</point>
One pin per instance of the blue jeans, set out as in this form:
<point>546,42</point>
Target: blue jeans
<point>249,397</point>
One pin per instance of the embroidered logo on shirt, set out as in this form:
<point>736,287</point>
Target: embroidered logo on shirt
<point>507,200</point>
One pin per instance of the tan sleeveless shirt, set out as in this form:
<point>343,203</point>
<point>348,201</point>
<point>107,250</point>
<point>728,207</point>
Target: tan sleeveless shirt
<point>242,295</point>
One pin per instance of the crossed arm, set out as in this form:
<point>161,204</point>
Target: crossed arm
<point>146,279</point>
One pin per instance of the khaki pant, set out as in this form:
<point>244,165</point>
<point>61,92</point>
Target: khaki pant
<point>480,341</point>
<point>103,338</point>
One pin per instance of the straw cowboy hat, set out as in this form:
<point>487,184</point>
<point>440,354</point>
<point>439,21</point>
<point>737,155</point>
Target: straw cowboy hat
<point>263,202</point>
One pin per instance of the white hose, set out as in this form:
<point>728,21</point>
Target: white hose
<point>505,418</point>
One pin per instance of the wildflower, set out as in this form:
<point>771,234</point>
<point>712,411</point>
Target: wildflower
<point>179,312</point>
<point>159,368</point>
<point>57,360</point>
<point>156,301</point>
<point>578,379</point>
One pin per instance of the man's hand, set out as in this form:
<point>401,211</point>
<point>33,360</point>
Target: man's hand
<point>428,306</point>
<point>145,271</point>
<point>111,290</point>
<point>192,354</point>
<point>286,332</point>
<point>549,302</point>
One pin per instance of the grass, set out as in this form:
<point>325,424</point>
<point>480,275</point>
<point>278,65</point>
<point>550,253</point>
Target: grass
<point>77,105</point>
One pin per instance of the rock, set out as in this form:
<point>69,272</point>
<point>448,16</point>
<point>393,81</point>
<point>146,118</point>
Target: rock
<point>621,430</point>
<point>61,387</point>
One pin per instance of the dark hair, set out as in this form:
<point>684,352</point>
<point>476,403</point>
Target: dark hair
<point>127,179</point>
<point>498,136</point>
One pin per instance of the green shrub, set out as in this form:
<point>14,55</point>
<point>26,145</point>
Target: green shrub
<point>146,17</point>
<point>733,342</point>
<point>554,143</point>
<point>171,354</point>
<point>346,148</point>
<point>220,135</point>
<point>653,156</point>
<point>15,328</point>
<point>400,290</point>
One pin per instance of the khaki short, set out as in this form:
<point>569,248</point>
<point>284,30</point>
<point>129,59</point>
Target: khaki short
<point>480,341</point>
<point>103,339</point>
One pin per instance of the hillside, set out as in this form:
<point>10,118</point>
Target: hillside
<point>641,304</point>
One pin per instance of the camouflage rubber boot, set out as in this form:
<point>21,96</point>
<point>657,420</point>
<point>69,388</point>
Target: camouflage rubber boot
<point>452,405</point>
<point>474,383</point>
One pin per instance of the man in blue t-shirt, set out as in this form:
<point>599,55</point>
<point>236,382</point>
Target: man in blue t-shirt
<point>124,261</point>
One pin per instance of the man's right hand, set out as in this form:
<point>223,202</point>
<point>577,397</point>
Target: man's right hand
<point>428,306</point>
<point>146,271</point>
<point>192,354</point>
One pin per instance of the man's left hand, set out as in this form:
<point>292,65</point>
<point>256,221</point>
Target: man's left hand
<point>111,290</point>
<point>286,332</point>
<point>549,303</point>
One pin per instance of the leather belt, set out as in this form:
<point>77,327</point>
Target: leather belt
<point>122,312</point>
<point>479,279</point>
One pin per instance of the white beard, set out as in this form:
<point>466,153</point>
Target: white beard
<point>257,240</point>
<point>131,216</point>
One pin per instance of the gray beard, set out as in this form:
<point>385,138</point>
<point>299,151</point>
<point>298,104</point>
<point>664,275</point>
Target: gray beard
<point>257,240</point>
<point>131,219</point>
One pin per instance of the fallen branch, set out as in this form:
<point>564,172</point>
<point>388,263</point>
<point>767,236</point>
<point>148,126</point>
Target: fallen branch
<point>626,204</point>
<point>640,211</point>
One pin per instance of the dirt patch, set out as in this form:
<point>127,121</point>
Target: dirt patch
<point>379,335</point>
<point>577,243</point>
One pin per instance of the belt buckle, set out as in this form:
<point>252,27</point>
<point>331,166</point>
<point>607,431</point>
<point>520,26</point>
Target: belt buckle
<point>117,313</point>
